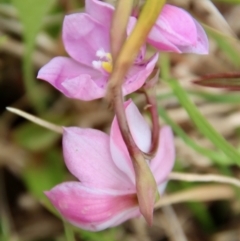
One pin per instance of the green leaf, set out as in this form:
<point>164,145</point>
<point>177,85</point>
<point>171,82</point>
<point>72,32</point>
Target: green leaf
<point>34,137</point>
<point>69,232</point>
<point>106,235</point>
<point>43,173</point>
<point>31,14</point>
<point>231,97</point>
<point>228,1</point>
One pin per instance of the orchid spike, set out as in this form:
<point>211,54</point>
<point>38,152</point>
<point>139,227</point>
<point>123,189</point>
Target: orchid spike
<point>105,195</point>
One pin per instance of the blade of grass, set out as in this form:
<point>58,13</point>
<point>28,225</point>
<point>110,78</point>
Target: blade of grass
<point>216,157</point>
<point>227,44</point>
<point>31,14</point>
<point>217,98</point>
<point>69,232</point>
<point>229,1</point>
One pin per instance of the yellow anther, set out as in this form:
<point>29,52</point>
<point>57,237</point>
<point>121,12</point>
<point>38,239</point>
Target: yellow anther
<point>109,57</point>
<point>107,66</point>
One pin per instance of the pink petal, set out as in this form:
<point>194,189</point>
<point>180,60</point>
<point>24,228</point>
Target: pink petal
<point>83,37</point>
<point>139,128</point>
<point>177,26</point>
<point>73,79</point>
<point>131,24</point>
<point>87,156</point>
<point>151,82</point>
<point>158,40</point>
<point>162,187</point>
<point>100,11</point>
<point>163,162</point>
<point>141,134</point>
<point>176,31</point>
<point>201,46</point>
<point>92,209</point>
<point>119,151</point>
<point>138,75</point>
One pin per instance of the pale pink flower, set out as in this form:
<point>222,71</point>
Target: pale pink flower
<point>86,37</point>
<point>176,31</point>
<point>106,194</point>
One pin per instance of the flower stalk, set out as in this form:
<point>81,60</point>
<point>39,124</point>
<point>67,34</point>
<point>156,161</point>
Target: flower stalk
<point>152,108</point>
<point>146,185</point>
<point>119,25</point>
<point>145,182</point>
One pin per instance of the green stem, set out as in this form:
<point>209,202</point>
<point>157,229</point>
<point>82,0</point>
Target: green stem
<point>30,83</point>
<point>69,233</point>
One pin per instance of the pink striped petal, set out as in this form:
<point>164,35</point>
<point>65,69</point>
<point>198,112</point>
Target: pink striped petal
<point>201,46</point>
<point>177,25</point>
<point>158,40</point>
<point>176,31</point>
<point>73,79</point>
<point>100,11</point>
<point>119,151</point>
<point>139,128</point>
<point>141,134</point>
<point>83,36</point>
<point>90,208</point>
<point>87,156</point>
<point>163,162</point>
<point>138,75</point>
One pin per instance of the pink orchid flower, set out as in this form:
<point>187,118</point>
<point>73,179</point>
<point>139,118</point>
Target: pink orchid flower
<point>86,37</point>
<point>106,194</point>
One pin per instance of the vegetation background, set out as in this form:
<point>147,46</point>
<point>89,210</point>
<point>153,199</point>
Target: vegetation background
<point>206,123</point>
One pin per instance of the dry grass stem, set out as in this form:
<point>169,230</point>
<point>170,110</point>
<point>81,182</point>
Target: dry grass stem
<point>174,228</point>
<point>201,194</point>
<point>36,120</point>
<point>203,178</point>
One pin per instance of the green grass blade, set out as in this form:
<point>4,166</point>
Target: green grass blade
<point>31,14</point>
<point>202,124</point>
<point>69,232</point>
<point>227,44</point>
<point>217,98</point>
<point>217,157</point>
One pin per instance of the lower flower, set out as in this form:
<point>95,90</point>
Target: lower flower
<point>106,194</point>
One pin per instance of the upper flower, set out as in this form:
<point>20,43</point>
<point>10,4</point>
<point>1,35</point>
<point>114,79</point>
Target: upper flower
<point>86,37</point>
<point>106,194</point>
